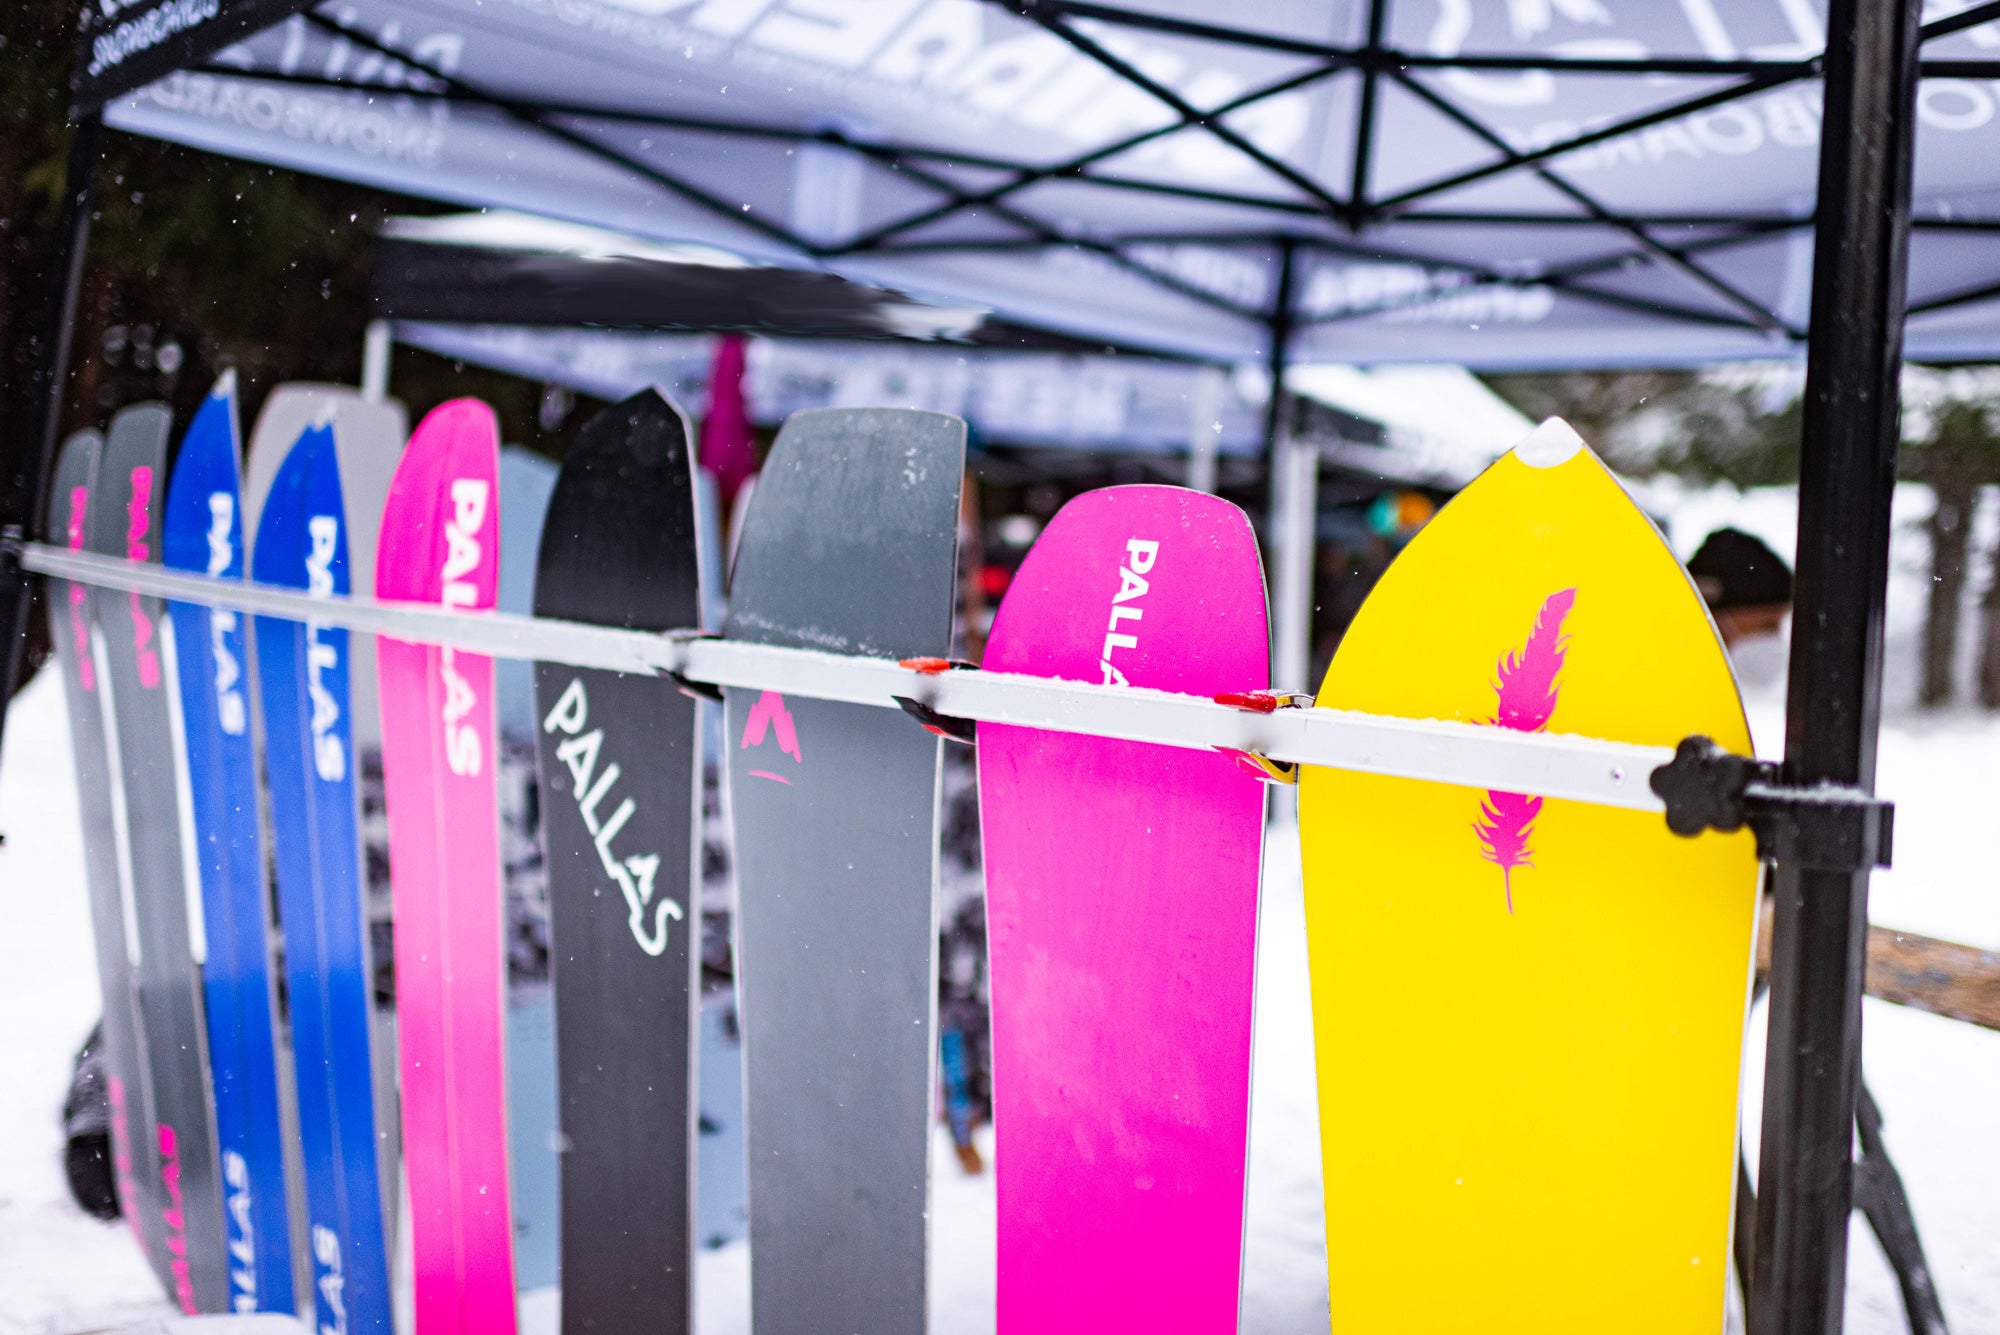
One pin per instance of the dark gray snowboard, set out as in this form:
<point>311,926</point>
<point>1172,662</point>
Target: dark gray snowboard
<point>848,546</point>
<point>139,703</point>
<point>620,807</point>
<point>71,626</point>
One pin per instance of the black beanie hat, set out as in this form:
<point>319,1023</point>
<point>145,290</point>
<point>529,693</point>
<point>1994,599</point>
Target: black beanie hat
<point>1733,569</point>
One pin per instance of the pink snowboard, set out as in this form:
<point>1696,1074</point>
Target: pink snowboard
<point>1121,888</point>
<point>440,529</point>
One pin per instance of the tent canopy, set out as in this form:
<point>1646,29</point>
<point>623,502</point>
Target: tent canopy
<point>1530,183</point>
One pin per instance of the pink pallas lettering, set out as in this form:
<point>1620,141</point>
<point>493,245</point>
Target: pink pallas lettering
<point>79,618</point>
<point>138,523</point>
<point>769,715</point>
<point>175,1220</point>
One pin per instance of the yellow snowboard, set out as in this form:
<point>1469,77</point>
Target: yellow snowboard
<point>1529,1015</point>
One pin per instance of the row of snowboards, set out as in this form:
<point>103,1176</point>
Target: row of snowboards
<point>1527,1087</point>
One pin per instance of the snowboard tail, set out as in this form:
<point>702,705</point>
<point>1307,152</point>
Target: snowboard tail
<point>849,545</point>
<point>620,775</point>
<point>147,789</point>
<point>1551,1120</point>
<point>439,533</point>
<point>311,764</point>
<point>368,439</point>
<point>73,628</point>
<point>202,531</point>
<point>1122,883</point>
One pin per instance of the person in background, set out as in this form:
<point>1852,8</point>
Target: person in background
<point>1748,586</point>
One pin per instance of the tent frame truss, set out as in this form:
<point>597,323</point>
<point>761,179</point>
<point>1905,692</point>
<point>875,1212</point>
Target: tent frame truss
<point>1308,214</point>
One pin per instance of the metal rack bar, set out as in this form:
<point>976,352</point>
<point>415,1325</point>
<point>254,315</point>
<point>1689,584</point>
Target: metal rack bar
<point>1580,769</point>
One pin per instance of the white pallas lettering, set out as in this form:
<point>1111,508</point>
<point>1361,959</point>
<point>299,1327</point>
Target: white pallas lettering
<point>461,536</point>
<point>330,1280</point>
<point>463,752</point>
<point>231,712</point>
<point>322,655</point>
<point>633,874</point>
<point>1140,553</point>
<point>242,1242</point>
<point>221,524</point>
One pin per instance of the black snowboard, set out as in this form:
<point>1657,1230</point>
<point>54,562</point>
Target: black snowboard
<point>620,784</point>
<point>129,1087</point>
<point>139,702</point>
<point>849,546</point>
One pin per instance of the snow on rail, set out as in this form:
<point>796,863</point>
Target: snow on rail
<point>1581,769</point>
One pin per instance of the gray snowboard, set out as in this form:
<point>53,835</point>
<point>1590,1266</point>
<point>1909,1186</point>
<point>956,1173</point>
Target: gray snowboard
<point>848,545</point>
<point>139,704</point>
<point>72,626</point>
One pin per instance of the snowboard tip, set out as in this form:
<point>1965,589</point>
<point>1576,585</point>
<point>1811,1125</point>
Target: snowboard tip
<point>467,407</point>
<point>1549,445</point>
<point>225,384</point>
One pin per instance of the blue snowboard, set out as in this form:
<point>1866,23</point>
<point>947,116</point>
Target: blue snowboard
<point>315,826</point>
<point>203,532</point>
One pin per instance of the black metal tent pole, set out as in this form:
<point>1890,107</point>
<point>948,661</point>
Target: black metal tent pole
<point>1833,699</point>
<point>1278,357</point>
<point>26,499</point>
<point>1280,354</point>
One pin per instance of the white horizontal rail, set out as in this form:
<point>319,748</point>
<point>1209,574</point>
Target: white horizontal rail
<point>1582,769</point>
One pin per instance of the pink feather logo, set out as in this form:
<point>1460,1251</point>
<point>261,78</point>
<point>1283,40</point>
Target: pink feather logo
<point>1527,689</point>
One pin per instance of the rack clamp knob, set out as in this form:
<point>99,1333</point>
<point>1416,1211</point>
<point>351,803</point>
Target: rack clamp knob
<point>1823,827</point>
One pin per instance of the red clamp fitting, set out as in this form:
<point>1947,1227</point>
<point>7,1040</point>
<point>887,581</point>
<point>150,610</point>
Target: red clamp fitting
<point>931,667</point>
<point>1263,702</point>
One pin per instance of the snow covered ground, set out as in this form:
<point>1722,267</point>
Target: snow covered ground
<point>1938,1081</point>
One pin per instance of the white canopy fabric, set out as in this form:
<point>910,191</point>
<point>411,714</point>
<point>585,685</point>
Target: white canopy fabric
<point>1438,424</point>
<point>1499,183</point>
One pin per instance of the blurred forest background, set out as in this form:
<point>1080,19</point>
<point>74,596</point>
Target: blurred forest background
<point>198,263</point>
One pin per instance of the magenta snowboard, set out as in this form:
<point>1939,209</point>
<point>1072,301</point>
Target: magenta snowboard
<point>440,528</point>
<point>1121,885</point>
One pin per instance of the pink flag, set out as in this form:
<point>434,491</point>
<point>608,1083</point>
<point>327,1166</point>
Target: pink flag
<point>726,450</point>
